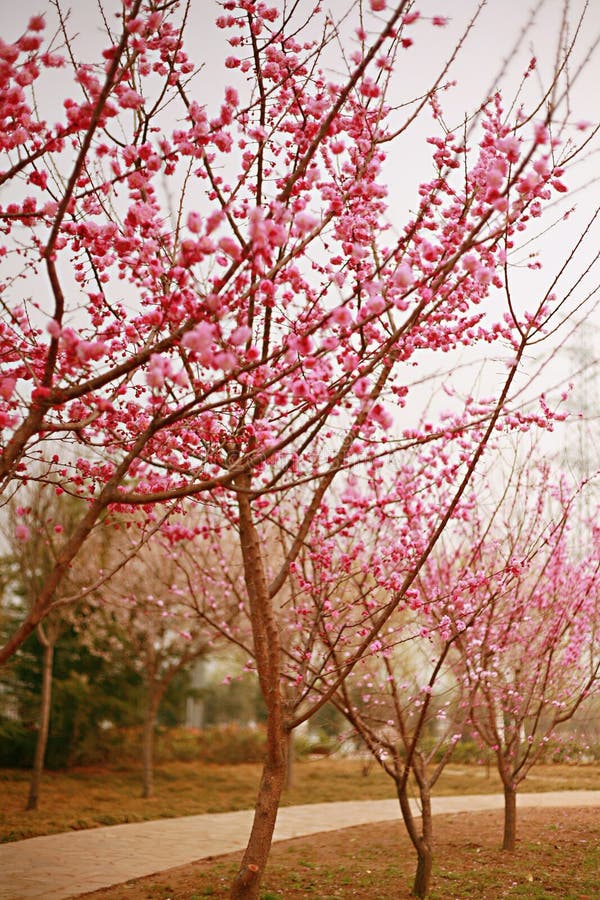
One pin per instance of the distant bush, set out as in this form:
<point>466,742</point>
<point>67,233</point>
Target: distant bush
<point>467,751</point>
<point>180,744</point>
<point>315,743</point>
<point>232,744</point>
<point>17,744</point>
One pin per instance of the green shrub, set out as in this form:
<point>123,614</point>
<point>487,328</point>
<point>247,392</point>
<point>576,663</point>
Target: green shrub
<point>468,751</point>
<point>231,744</point>
<point>17,744</point>
<point>179,744</point>
<point>317,742</point>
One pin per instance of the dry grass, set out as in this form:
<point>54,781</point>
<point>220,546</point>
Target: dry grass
<point>87,798</point>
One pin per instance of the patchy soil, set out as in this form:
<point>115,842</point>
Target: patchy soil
<point>558,856</point>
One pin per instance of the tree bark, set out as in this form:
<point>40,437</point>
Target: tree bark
<point>152,704</point>
<point>45,704</point>
<point>246,885</point>
<point>267,650</point>
<point>423,841</point>
<point>422,880</point>
<point>290,768</point>
<point>424,848</point>
<point>510,818</point>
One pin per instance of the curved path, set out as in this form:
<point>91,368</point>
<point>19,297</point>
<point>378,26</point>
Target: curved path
<point>67,865</point>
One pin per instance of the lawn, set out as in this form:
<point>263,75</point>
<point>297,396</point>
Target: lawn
<point>89,797</point>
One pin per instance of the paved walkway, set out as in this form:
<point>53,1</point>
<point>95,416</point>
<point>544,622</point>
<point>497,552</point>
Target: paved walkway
<point>67,865</point>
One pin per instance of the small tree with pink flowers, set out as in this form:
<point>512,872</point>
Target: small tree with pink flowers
<point>405,699</point>
<point>531,658</point>
<point>139,614</point>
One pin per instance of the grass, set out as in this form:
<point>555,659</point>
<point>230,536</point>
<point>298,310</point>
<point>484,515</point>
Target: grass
<point>89,797</point>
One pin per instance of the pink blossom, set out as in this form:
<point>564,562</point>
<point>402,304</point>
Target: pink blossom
<point>403,276</point>
<point>342,316</point>
<point>7,387</point>
<point>240,335</point>
<point>214,220</point>
<point>231,96</point>
<point>128,97</point>
<point>200,338</point>
<point>22,532</point>
<point>225,360</point>
<point>541,135</point>
<point>90,350</point>
<point>511,146</point>
<point>304,223</point>
<point>382,416</point>
<point>36,23</point>
<point>361,386</point>
<point>230,246</point>
<point>159,369</point>
<point>194,222</point>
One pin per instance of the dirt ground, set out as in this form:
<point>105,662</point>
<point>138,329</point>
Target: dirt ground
<point>558,856</point>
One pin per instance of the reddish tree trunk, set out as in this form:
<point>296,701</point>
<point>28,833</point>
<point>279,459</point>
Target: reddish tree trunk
<point>424,849</point>
<point>423,841</point>
<point>267,650</point>
<point>152,704</point>
<point>247,882</point>
<point>42,739</point>
<point>290,768</point>
<point>510,818</point>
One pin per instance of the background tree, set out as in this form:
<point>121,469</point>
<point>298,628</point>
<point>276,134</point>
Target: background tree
<point>530,659</point>
<point>408,712</point>
<point>31,555</point>
<point>139,617</point>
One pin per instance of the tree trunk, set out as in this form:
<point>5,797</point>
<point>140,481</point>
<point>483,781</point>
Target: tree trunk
<point>246,885</point>
<point>422,880</point>
<point>267,653</point>
<point>290,768</point>
<point>423,841</point>
<point>152,704</point>
<point>42,738</point>
<point>424,848</point>
<point>510,818</point>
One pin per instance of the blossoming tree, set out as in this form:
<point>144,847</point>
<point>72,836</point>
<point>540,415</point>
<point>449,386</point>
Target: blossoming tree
<point>30,554</point>
<point>531,658</point>
<point>209,297</point>
<point>138,614</point>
